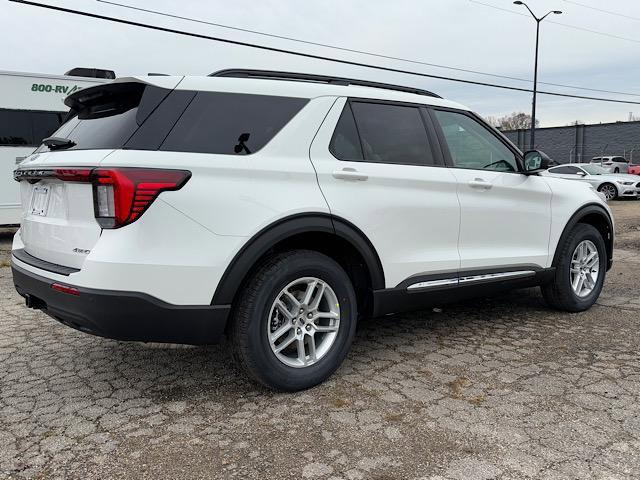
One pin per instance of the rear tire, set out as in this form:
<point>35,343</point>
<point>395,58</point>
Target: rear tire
<point>561,293</point>
<point>274,300</point>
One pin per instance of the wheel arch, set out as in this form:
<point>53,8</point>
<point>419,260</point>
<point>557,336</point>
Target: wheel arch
<point>596,216</point>
<point>334,236</point>
<point>606,182</point>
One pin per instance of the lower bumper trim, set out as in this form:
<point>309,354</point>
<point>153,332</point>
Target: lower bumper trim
<point>121,315</point>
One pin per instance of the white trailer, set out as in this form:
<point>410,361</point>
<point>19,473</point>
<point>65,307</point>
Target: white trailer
<point>31,108</point>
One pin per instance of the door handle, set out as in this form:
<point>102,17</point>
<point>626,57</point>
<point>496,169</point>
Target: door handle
<point>480,184</point>
<point>350,174</point>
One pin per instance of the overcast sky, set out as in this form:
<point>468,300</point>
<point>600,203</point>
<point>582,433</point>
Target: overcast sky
<point>456,33</point>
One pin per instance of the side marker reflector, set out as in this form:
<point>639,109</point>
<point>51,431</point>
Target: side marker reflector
<point>65,289</point>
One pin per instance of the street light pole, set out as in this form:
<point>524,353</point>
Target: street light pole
<point>532,142</point>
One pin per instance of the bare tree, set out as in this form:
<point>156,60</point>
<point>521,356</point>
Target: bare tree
<point>513,121</point>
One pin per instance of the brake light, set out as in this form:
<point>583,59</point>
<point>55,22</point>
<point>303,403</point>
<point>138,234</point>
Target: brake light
<point>73,174</point>
<point>122,195</point>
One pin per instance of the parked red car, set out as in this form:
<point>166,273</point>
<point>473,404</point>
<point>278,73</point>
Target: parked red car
<point>634,169</point>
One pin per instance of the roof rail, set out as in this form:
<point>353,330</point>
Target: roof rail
<point>309,77</point>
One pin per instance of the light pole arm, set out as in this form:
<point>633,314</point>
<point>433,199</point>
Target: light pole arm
<point>531,12</point>
<point>548,13</point>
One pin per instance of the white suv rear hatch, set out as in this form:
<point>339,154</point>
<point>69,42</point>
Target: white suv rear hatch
<point>59,222</point>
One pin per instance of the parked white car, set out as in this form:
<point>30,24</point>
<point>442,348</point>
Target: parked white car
<point>611,185</point>
<point>279,208</point>
<point>613,164</point>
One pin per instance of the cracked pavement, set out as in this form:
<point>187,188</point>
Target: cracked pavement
<point>492,388</point>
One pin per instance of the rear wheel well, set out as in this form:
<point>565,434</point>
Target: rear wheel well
<point>340,250</point>
<point>607,184</point>
<point>333,246</point>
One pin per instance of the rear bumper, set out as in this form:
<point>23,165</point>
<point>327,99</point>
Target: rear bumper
<point>123,315</point>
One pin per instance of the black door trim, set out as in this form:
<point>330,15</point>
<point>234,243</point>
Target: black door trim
<point>403,299</point>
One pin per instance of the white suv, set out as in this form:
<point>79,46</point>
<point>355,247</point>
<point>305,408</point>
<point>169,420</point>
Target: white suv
<point>612,164</point>
<point>279,208</point>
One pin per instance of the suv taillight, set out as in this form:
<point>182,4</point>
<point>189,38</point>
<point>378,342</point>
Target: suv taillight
<point>121,195</point>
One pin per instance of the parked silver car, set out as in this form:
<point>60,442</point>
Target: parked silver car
<point>613,164</point>
<point>611,185</point>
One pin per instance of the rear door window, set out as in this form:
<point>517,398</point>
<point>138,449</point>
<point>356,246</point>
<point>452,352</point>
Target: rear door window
<point>231,123</point>
<point>388,134</point>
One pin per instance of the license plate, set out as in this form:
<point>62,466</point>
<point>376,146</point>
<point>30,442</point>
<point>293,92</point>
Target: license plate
<point>40,200</point>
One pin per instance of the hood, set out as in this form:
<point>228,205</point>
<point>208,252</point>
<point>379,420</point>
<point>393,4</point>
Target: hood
<point>622,177</point>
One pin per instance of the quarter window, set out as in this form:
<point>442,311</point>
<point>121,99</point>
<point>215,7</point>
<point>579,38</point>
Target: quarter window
<point>473,146</point>
<point>231,123</point>
<point>390,134</point>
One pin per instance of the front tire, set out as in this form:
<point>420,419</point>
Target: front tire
<point>295,321</point>
<point>609,190</point>
<point>580,271</point>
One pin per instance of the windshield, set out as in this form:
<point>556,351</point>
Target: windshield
<point>594,169</point>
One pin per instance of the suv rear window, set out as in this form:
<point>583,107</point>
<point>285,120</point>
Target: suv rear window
<point>137,116</point>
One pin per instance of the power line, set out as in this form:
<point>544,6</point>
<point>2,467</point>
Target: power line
<point>362,52</point>
<point>575,27</point>
<point>307,55</point>
<point>603,11</point>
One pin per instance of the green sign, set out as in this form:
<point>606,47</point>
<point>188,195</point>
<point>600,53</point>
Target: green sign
<point>48,88</point>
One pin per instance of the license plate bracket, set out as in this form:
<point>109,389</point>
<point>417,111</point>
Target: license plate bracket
<point>40,200</point>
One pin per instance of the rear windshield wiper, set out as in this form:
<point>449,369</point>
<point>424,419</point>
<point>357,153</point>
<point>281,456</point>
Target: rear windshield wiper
<point>58,143</point>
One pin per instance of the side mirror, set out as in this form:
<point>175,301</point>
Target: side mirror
<point>536,161</point>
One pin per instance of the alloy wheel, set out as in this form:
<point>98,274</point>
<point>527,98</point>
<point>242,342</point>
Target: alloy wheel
<point>585,268</point>
<point>303,322</point>
<point>609,191</point>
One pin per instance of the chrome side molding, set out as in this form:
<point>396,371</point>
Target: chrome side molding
<point>496,276</point>
<point>467,279</point>
<point>433,283</point>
